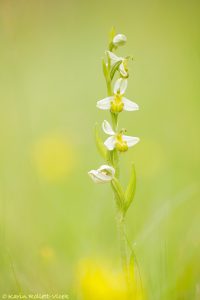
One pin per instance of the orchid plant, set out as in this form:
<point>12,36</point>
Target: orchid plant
<point>116,74</point>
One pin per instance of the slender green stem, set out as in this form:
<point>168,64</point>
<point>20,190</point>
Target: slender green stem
<point>120,219</point>
<point>108,79</point>
<point>109,89</point>
<point>123,248</point>
<point>115,161</point>
<point>133,263</point>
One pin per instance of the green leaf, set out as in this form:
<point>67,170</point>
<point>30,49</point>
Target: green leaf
<point>105,69</point>
<point>112,33</point>
<point>99,143</point>
<point>114,69</point>
<point>130,191</point>
<point>119,193</point>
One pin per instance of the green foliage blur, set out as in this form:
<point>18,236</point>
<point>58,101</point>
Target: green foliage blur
<point>52,216</point>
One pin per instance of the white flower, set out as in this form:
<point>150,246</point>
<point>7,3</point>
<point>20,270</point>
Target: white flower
<point>118,102</point>
<point>118,140</point>
<point>119,40</point>
<point>123,67</point>
<point>102,175</point>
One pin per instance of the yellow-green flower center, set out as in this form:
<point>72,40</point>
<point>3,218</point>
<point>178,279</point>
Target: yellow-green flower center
<point>117,104</point>
<point>106,172</point>
<point>125,65</point>
<point>120,144</point>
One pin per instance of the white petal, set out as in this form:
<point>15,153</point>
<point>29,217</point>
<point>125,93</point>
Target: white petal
<point>104,104</point>
<point>110,143</point>
<point>129,105</point>
<point>123,86</point>
<point>114,57</point>
<point>107,128</point>
<point>122,70</point>
<point>120,86</point>
<point>131,140</point>
<point>117,85</point>
<point>107,168</point>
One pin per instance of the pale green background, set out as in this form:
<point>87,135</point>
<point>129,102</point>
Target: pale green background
<point>50,80</point>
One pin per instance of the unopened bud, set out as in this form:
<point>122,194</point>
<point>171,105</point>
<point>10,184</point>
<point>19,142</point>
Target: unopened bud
<point>119,40</point>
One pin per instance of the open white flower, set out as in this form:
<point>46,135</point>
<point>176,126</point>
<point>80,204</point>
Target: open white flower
<point>123,67</point>
<point>118,140</point>
<point>118,102</point>
<point>102,175</point>
<point>119,40</point>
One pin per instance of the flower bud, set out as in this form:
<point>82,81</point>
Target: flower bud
<point>119,40</point>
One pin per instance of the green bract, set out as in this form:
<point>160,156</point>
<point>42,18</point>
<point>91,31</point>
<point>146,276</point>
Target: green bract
<point>130,191</point>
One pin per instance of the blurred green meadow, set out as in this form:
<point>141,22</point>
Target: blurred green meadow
<point>53,218</point>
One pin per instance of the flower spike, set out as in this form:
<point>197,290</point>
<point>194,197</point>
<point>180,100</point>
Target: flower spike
<point>117,141</point>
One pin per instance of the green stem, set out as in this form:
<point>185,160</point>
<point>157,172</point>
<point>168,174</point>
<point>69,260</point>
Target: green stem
<point>133,264</point>
<point>109,89</point>
<point>123,248</point>
<point>120,217</point>
<point>108,79</point>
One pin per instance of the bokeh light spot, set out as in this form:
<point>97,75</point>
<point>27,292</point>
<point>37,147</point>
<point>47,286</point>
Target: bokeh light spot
<point>54,157</point>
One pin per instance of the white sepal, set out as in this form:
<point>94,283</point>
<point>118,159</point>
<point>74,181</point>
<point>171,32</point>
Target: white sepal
<point>120,86</point>
<point>129,105</point>
<point>104,104</point>
<point>110,143</point>
<point>131,140</point>
<point>114,58</point>
<point>107,128</point>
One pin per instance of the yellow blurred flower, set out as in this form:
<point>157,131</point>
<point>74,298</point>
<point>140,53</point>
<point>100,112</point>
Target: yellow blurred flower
<point>47,253</point>
<point>97,281</point>
<point>53,157</point>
